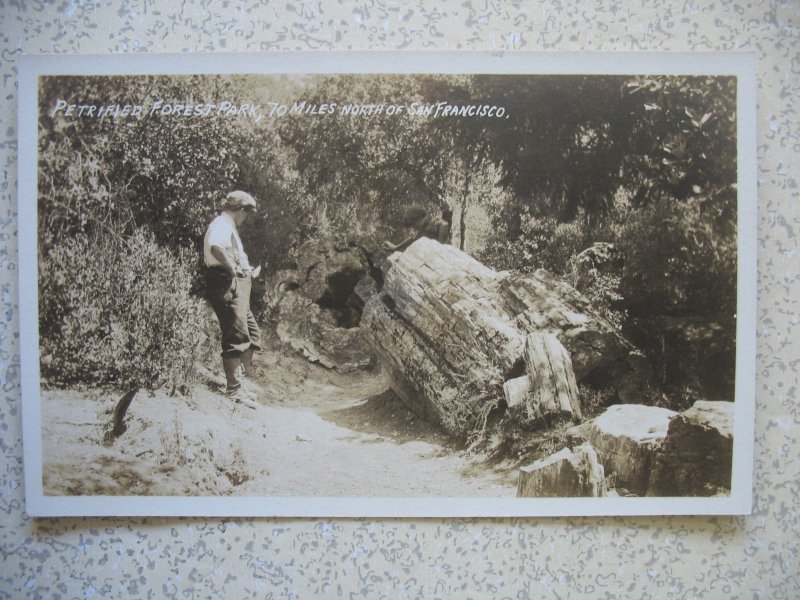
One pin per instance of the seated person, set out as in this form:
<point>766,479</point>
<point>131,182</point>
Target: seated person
<point>422,225</point>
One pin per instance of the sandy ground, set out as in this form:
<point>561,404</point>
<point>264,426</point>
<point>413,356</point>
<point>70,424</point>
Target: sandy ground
<point>314,433</point>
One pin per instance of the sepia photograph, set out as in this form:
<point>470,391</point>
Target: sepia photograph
<point>390,285</point>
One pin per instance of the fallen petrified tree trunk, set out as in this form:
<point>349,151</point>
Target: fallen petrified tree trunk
<point>549,388</point>
<point>451,334</point>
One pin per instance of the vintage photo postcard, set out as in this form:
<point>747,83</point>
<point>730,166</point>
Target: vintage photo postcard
<point>387,284</point>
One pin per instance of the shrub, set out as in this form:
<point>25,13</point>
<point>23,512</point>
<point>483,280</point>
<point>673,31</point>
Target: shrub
<point>541,243</point>
<point>118,311</point>
<point>524,250</point>
<point>677,262</point>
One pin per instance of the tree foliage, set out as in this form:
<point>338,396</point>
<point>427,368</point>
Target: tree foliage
<point>645,163</point>
<point>364,168</point>
<point>163,172</point>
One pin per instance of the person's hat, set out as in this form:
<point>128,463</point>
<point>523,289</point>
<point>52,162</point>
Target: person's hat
<point>239,199</point>
<point>413,214</point>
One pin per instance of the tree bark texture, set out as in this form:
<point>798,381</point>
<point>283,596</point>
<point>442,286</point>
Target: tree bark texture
<point>451,332</point>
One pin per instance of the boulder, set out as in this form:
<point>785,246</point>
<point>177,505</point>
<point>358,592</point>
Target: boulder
<point>451,333</point>
<point>697,455</point>
<point>317,306</point>
<point>627,438</point>
<point>313,332</point>
<point>565,474</point>
<point>329,269</point>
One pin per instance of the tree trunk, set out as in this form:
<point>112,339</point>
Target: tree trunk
<point>462,234</point>
<point>627,438</point>
<point>552,389</point>
<point>450,332</point>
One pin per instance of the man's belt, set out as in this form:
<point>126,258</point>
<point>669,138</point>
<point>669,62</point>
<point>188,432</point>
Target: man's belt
<point>221,271</point>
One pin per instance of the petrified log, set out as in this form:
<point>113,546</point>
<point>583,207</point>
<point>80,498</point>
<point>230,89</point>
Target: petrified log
<point>450,332</point>
<point>516,391</point>
<point>697,455</point>
<point>540,302</point>
<point>565,474</point>
<point>627,438</point>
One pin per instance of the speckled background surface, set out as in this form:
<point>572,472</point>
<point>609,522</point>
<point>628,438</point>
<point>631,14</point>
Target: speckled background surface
<point>669,557</point>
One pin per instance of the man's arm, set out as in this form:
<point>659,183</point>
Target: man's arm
<point>225,261</point>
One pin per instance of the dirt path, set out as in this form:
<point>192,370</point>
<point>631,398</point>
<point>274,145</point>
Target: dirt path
<point>315,433</point>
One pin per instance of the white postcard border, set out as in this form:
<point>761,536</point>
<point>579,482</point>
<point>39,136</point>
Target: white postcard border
<point>740,64</point>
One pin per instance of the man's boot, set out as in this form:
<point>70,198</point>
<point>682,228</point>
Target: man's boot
<point>246,372</point>
<point>235,390</point>
<point>247,361</point>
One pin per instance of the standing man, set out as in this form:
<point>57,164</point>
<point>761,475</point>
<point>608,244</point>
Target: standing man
<point>229,279</point>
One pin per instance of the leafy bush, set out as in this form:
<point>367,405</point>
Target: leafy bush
<point>538,243</point>
<point>118,312</point>
<point>160,172</point>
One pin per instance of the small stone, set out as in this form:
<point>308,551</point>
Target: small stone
<point>565,474</point>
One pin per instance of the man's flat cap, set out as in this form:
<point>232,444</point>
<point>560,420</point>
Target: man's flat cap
<point>239,199</point>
